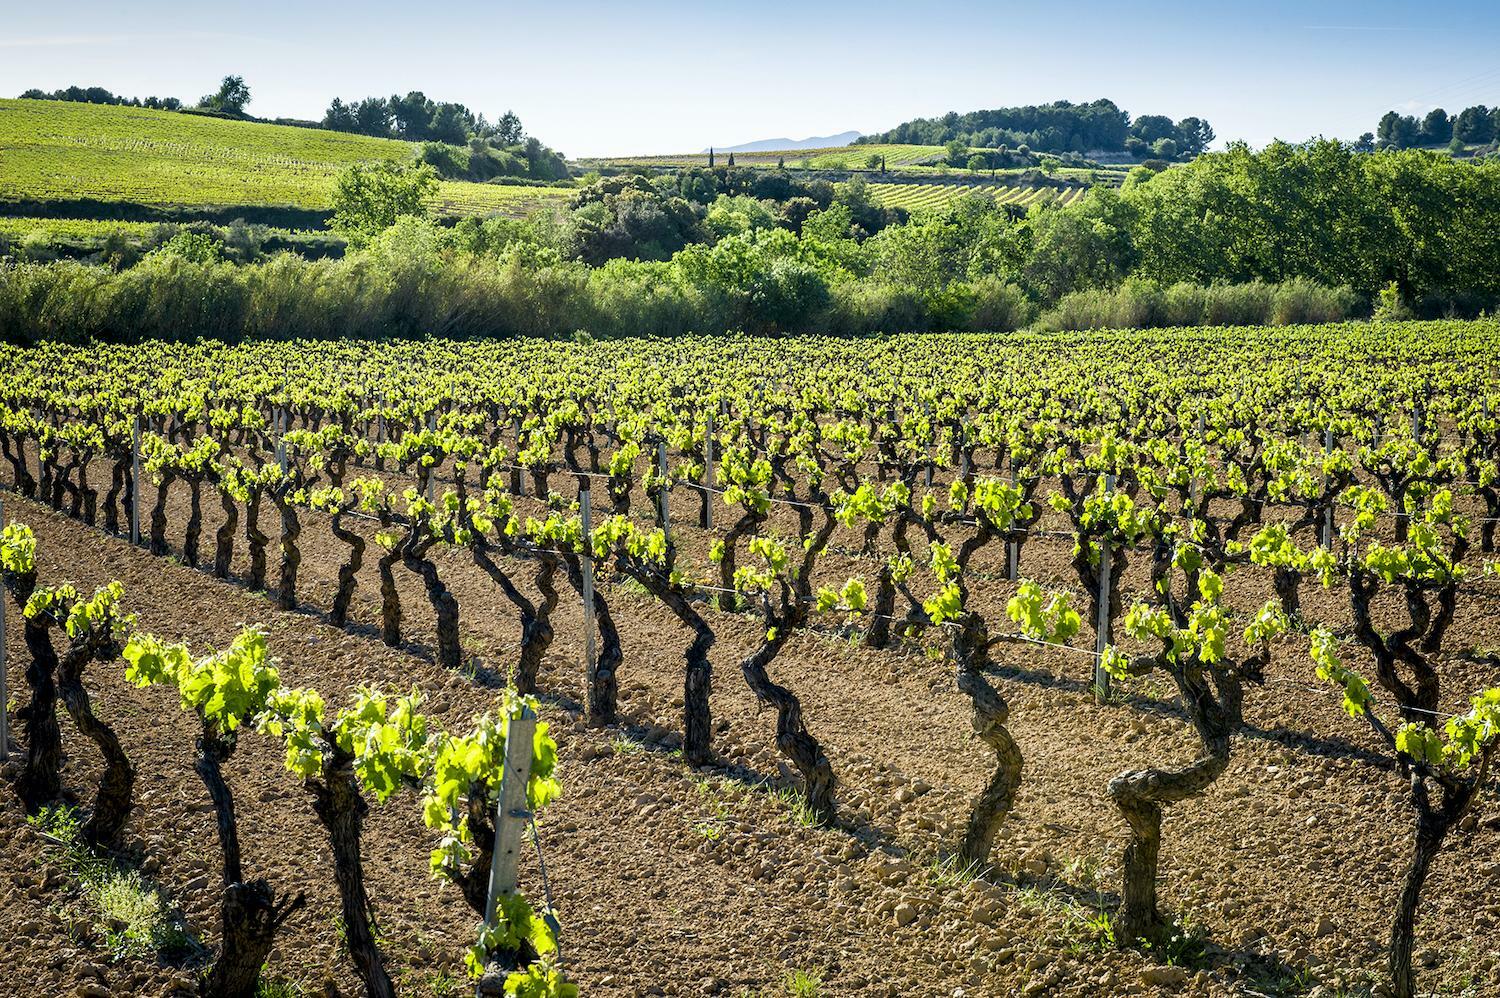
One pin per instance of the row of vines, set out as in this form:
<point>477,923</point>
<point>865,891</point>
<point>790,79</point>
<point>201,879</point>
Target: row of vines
<point>886,489</point>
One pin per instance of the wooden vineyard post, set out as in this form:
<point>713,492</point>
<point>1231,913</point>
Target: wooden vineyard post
<point>1328,510</point>
<point>963,450</point>
<point>590,653</point>
<point>431,474</point>
<point>135,479</point>
<point>927,474</point>
<point>707,519</point>
<point>662,503</point>
<point>1101,625</point>
<point>4,689</point>
<point>517,479</point>
<point>1012,546</point>
<point>511,812</point>
<point>281,440</point>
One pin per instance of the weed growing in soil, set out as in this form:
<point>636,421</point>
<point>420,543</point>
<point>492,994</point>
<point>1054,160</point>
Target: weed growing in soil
<point>438,984</point>
<point>712,827</point>
<point>278,987</point>
<point>621,745</point>
<point>950,872</point>
<point>128,913</point>
<point>1180,944</point>
<point>797,806</point>
<point>1084,871</point>
<point>803,984</point>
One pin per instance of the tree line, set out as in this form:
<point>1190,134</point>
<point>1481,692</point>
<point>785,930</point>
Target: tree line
<point>1059,127</point>
<point>1473,126</point>
<point>458,143</point>
<point>417,118</point>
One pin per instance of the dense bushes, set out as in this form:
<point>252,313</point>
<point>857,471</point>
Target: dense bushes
<point>1143,304</point>
<point>405,284</point>
<point>1287,235</point>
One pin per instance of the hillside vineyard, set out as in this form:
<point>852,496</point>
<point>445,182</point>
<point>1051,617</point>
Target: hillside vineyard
<point>1210,511</point>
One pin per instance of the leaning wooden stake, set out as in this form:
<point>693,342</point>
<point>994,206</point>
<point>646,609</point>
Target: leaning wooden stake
<point>281,440</point>
<point>591,657</point>
<point>666,490</point>
<point>511,814</point>
<point>1328,510</point>
<point>135,479</point>
<point>511,818</point>
<point>708,473</point>
<point>517,478</point>
<point>1101,625</point>
<point>1012,546</point>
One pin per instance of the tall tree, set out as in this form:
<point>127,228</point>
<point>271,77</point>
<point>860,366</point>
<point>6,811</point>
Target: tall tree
<point>1194,136</point>
<point>231,97</point>
<point>1437,128</point>
<point>1475,125</point>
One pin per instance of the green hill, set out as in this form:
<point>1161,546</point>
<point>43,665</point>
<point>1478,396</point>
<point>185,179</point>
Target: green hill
<point>62,152</point>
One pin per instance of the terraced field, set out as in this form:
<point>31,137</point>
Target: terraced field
<point>914,197</point>
<point>54,150</point>
<point>835,158</point>
<point>19,228</point>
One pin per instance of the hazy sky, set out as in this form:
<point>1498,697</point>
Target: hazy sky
<point>593,78</point>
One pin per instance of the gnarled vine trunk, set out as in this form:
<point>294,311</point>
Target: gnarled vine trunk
<point>256,541</point>
<point>792,737</point>
<point>40,781</point>
<point>1140,796</point>
<point>112,801</point>
<point>990,714</point>
<point>224,536</point>
<point>194,532</point>
<point>390,599</point>
<point>341,809</point>
<point>1427,842</point>
<point>602,698</point>
<point>117,487</point>
<point>697,718</point>
<point>444,605</point>
<point>21,474</point>
<point>159,514</point>
<point>250,913</point>
<point>291,555</point>
<point>343,595</point>
<point>536,619</point>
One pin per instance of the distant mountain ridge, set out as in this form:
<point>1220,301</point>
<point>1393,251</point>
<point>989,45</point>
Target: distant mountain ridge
<point>772,145</point>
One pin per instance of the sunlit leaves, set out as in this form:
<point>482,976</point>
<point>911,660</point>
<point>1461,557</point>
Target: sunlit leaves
<point>1043,616</point>
<point>1324,648</point>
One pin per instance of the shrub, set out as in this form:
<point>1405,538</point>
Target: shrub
<point>999,306</point>
<point>1141,304</point>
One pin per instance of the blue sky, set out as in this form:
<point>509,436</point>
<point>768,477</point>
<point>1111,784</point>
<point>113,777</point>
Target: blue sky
<point>594,78</point>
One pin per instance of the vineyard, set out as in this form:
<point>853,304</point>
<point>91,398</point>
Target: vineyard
<point>64,151</point>
<point>838,158</point>
<point>914,197</point>
<point>19,228</point>
<point>1044,664</point>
